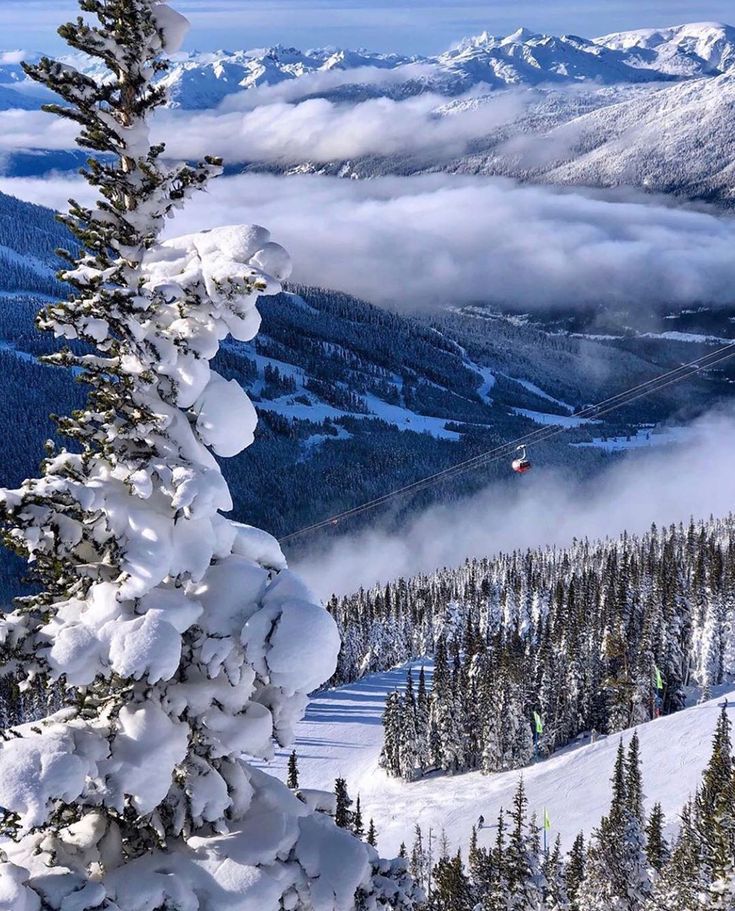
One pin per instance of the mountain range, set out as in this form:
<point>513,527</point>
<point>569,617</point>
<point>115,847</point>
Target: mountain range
<point>202,80</point>
<point>649,108</point>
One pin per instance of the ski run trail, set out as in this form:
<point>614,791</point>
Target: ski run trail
<point>342,736</point>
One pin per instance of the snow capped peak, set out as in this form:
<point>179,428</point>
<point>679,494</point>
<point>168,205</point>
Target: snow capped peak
<point>529,58</point>
<point>486,40</point>
<point>692,49</point>
<point>519,36</point>
<point>523,57</point>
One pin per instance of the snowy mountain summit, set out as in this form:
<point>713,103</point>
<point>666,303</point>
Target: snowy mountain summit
<point>695,49</point>
<point>523,57</point>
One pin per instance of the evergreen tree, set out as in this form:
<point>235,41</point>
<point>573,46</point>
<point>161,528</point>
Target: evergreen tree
<point>419,865</point>
<point>616,868</point>
<point>525,881</point>
<point>423,729</point>
<point>715,814</point>
<point>633,781</point>
<point>657,849</point>
<point>357,825</point>
<point>408,747</point>
<point>293,771</point>
<point>390,757</point>
<point>451,890</point>
<point>576,871</point>
<point>343,815</point>
<point>372,834</point>
<point>681,883</point>
<point>555,894</point>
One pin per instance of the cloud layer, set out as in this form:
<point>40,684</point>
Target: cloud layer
<point>421,242</point>
<point>265,126</point>
<point>318,130</point>
<point>664,486</point>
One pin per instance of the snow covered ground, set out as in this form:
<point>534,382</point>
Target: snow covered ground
<point>342,736</point>
<point>536,390</point>
<point>541,417</point>
<point>645,437</point>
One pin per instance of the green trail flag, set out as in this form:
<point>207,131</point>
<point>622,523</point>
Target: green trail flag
<point>538,723</point>
<point>659,678</point>
<point>547,821</point>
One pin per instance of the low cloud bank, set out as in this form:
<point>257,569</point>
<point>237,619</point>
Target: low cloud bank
<point>264,126</point>
<point>324,81</point>
<point>662,486</point>
<point>437,240</point>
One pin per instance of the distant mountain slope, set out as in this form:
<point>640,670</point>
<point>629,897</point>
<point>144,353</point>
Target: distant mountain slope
<point>678,140</point>
<point>355,401</point>
<point>29,237</point>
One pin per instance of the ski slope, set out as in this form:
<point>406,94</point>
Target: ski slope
<point>342,735</point>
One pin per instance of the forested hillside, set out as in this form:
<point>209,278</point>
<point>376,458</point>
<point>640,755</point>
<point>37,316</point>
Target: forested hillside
<point>600,636</point>
<point>629,861</point>
<point>354,400</point>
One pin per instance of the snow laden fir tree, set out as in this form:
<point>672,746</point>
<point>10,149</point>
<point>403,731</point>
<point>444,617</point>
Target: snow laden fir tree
<point>181,642</point>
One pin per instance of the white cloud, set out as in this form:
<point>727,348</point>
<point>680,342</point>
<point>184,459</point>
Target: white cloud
<point>284,133</point>
<point>34,130</point>
<point>12,57</point>
<point>324,81</point>
<point>440,239</point>
<point>53,191</point>
<point>664,486</point>
<point>319,130</point>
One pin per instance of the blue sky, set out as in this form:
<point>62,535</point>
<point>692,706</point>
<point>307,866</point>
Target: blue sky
<point>401,25</point>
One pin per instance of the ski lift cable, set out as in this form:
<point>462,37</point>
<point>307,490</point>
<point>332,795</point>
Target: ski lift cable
<point>549,434</point>
<point>537,436</point>
<point>541,435</point>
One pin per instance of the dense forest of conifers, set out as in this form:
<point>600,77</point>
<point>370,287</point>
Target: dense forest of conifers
<point>598,636</point>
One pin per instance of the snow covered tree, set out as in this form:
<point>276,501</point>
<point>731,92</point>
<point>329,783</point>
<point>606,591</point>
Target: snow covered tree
<point>419,865</point>
<point>372,834</point>
<point>181,643</point>
<point>555,896</point>
<point>525,879</point>
<point>390,757</point>
<point>358,827</point>
<point>714,817</point>
<point>423,756</point>
<point>681,883</point>
<point>451,886</point>
<point>445,716</point>
<point>616,877</point>
<point>408,746</point>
